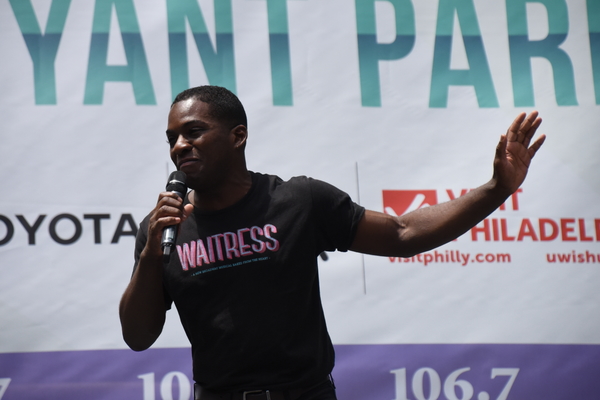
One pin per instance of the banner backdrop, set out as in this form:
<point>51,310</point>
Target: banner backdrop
<point>399,102</point>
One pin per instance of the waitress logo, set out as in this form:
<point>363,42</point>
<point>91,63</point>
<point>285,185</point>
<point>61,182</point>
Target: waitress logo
<point>400,202</point>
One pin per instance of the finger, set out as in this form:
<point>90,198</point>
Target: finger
<point>501,147</point>
<point>168,202</point>
<point>168,207</point>
<point>169,195</point>
<point>525,126</point>
<point>528,122</point>
<point>187,210</point>
<point>536,145</point>
<point>166,210</point>
<point>513,130</point>
<point>168,221</point>
<point>531,132</point>
<point>157,225</point>
<point>169,199</point>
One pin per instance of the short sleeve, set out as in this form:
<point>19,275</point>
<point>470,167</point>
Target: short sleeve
<point>337,216</point>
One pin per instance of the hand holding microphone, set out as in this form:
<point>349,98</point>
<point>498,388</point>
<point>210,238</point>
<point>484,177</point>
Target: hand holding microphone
<point>177,185</point>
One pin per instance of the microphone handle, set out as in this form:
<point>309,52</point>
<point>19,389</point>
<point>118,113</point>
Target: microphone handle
<point>169,237</point>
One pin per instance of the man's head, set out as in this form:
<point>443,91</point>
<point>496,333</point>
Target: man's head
<point>224,105</point>
<point>207,136</point>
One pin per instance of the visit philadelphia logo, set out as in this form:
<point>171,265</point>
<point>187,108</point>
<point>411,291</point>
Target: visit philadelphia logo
<point>504,226</point>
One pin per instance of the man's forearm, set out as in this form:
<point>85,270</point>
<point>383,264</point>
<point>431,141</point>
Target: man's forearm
<point>430,227</point>
<point>425,228</point>
<point>142,308</point>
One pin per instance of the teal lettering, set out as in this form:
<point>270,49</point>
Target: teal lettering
<point>370,52</point>
<point>522,50</point>
<point>136,71</point>
<point>593,10</point>
<point>279,45</point>
<point>42,47</point>
<point>218,62</point>
<point>478,75</point>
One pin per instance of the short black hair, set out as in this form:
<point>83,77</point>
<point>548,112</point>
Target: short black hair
<point>224,105</point>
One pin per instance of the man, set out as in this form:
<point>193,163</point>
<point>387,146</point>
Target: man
<point>244,277</point>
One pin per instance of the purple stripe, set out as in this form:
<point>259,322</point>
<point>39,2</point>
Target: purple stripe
<point>97,374</point>
<point>549,372</point>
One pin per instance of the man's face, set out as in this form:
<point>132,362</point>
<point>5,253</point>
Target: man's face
<point>201,146</point>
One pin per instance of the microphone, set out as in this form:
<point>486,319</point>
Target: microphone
<point>176,184</point>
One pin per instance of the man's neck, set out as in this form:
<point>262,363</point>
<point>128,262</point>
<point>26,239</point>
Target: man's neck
<point>225,195</point>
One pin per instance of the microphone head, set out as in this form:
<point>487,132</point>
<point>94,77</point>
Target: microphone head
<point>177,183</point>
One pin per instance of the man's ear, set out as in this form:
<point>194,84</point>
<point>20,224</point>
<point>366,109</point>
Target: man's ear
<point>240,134</point>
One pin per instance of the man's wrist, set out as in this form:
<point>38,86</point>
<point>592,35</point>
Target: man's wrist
<point>498,191</point>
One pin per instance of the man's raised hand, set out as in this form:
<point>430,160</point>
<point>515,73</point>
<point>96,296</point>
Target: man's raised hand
<point>515,151</point>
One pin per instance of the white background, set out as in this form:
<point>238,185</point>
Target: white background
<point>113,158</point>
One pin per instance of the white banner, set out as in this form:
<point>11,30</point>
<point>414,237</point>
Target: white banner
<point>398,102</point>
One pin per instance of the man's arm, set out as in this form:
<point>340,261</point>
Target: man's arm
<point>430,227</point>
<point>142,309</point>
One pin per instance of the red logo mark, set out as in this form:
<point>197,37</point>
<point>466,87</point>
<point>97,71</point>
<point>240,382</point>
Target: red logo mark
<point>400,202</point>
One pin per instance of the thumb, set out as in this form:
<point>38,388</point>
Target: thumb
<point>501,148</point>
<point>187,210</point>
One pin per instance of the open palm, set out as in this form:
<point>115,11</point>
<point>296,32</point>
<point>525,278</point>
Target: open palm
<point>515,151</point>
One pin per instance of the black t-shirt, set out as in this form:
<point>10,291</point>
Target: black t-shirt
<point>245,283</point>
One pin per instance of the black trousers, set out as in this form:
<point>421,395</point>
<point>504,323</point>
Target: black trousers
<point>323,391</point>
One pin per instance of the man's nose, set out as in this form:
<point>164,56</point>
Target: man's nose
<point>181,144</point>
